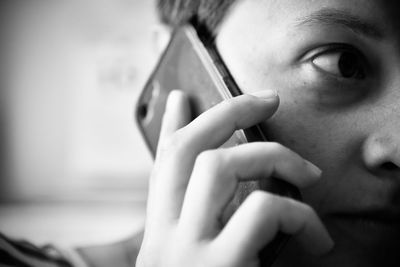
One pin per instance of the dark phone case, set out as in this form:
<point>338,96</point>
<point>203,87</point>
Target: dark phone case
<point>186,65</point>
<point>189,65</point>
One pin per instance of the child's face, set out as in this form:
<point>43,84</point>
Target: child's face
<point>336,66</point>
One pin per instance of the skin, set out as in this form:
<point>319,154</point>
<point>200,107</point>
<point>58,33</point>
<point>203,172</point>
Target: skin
<point>343,118</point>
<point>349,127</point>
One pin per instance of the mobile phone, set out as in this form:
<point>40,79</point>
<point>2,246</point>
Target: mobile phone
<point>192,64</point>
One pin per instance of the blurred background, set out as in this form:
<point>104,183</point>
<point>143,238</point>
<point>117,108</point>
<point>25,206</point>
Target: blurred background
<point>74,168</point>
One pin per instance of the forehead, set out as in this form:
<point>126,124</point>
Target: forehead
<point>384,14</point>
<point>368,8</point>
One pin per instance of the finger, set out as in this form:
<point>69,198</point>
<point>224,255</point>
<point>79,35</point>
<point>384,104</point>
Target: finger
<point>177,114</point>
<point>210,129</point>
<point>261,216</point>
<point>217,173</point>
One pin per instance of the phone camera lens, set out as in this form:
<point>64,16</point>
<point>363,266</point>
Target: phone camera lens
<point>142,111</point>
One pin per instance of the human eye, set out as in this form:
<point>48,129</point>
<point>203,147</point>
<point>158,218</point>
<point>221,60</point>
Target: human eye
<point>340,61</point>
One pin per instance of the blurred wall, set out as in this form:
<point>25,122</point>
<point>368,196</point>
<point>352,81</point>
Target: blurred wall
<point>73,73</point>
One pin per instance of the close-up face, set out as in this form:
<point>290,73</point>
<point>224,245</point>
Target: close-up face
<point>336,66</point>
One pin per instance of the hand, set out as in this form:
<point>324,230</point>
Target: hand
<point>193,181</point>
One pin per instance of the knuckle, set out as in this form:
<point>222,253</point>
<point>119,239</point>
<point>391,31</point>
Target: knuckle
<point>263,199</point>
<point>209,159</point>
<point>258,195</point>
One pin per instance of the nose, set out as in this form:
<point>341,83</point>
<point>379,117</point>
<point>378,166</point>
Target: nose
<point>381,151</point>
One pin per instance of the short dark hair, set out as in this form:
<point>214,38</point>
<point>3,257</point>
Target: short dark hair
<point>201,13</point>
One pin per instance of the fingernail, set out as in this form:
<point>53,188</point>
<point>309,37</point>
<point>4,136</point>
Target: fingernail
<point>314,169</point>
<point>265,94</point>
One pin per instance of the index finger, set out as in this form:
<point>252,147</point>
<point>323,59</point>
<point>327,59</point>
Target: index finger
<point>213,127</point>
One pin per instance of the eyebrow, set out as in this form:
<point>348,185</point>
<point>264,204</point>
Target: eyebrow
<point>342,18</point>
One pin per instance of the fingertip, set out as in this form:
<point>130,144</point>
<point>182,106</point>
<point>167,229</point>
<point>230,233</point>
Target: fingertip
<point>314,170</point>
<point>316,239</point>
<point>328,247</point>
<point>323,247</point>
<point>177,113</point>
<point>310,174</point>
<point>175,97</point>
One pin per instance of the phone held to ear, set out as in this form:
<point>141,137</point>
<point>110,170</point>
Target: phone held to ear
<point>194,66</point>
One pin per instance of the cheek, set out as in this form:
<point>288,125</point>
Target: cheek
<point>323,138</point>
<point>304,121</point>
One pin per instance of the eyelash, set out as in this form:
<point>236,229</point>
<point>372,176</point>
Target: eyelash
<point>359,58</point>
